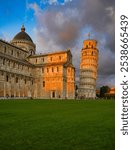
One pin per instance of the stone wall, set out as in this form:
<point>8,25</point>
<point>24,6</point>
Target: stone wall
<point>16,74</point>
<point>38,76</point>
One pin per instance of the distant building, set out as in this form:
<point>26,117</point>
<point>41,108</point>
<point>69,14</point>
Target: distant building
<point>112,90</point>
<point>111,93</point>
<point>23,73</point>
<point>88,69</point>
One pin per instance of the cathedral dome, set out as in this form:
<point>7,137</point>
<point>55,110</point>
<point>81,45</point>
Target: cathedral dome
<point>24,41</point>
<point>22,36</point>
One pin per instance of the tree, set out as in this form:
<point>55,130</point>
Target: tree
<point>76,91</point>
<point>103,90</point>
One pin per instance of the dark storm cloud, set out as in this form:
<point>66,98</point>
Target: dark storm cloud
<point>61,27</point>
<point>106,65</point>
<point>65,23</point>
<point>103,80</point>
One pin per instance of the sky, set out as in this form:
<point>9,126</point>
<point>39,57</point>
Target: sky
<point>56,25</point>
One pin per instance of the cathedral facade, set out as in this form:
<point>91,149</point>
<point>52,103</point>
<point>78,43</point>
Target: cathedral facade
<point>23,73</point>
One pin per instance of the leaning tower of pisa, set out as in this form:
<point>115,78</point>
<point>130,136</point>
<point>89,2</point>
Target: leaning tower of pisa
<point>88,69</point>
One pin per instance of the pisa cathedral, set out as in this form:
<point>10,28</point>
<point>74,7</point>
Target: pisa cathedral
<point>25,74</point>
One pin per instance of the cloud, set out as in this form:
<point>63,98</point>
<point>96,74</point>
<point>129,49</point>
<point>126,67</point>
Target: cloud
<point>51,2</point>
<point>105,80</point>
<point>35,7</point>
<point>55,2</point>
<point>4,36</point>
<point>63,26</point>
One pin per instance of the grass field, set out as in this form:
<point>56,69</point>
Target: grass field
<point>57,125</point>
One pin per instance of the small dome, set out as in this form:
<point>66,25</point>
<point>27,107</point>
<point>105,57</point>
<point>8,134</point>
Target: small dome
<point>22,35</point>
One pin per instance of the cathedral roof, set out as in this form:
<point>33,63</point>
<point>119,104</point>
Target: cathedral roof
<point>22,61</point>
<point>22,35</point>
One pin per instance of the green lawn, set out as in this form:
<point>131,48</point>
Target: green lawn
<point>57,125</point>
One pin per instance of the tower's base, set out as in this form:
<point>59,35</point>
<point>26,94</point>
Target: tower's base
<point>86,94</point>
